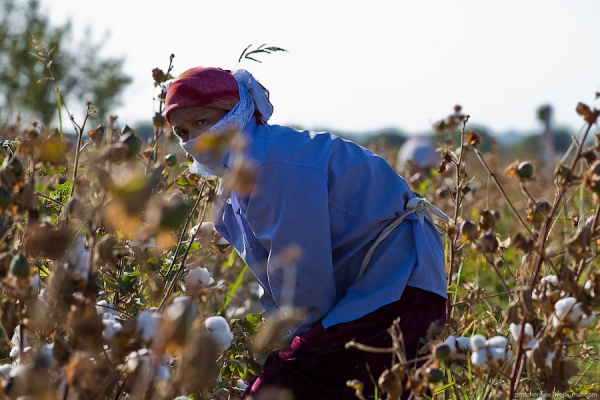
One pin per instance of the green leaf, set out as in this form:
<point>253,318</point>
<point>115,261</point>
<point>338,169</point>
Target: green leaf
<point>51,170</point>
<point>182,181</point>
<point>232,289</point>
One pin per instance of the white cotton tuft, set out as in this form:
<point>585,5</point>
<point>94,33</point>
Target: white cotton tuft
<point>198,276</point>
<point>150,242</point>
<point>217,323</point>
<point>478,357</point>
<point>477,342</point>
<point>177,307</point>
<point>531,343</point>
<point>563,305</point>
<point>463,344</point>
<point>241,384</point>
<point>162,373</point>
<point>497,353</point>
<point>451,342</point>
<point>219,331</point>
<point>16,342</point>
<point>76,251</point>
<point>551,279</point>
<point>111,326</point>
<point>5,370</point>
<point>104,308</point>
<point>497,341</point>
<point>549,358</point>
<point>146,325</point>
<point>34,284</point>
<point>202,230</point>
<point>586,320</point>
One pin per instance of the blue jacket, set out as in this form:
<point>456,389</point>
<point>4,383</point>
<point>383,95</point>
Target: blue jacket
<point>318,204</point>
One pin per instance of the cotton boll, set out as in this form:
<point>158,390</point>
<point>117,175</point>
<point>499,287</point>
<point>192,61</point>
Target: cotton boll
<point>528,330</point>
<point>451,342</point>
<point>515,329</point>
<point>177,308</point>
<point>104,308</point>
<point>181,398</point>
<point>111,327</point>
<point>203,229</point>
<point>197,276</point>
<point>5,370</point>
<point>222,340</point>
<point>146,325</point>
<point>76,250</point>
<point>549,358</point>
<point>563,305</point>
<point>16,342</point>
<point>477,342</point>
<point>586,320</point>
<point>241,384</point>
<point>17,370</point>
<point>497,341</point>
<point>220,332</point>
<point>478,357</point>
<point>34,284</point>
<point>150,242</point>
<point>550,279</point>
<point>531,343</point>
<point>463,344</point>
<point>497,353</point>
<point>222,242</point>
<point>576,313</point>
<point>217,323</point>
<point>162,373</point>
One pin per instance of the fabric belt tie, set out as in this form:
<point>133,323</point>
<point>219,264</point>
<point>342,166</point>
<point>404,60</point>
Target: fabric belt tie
<point>417,205</point>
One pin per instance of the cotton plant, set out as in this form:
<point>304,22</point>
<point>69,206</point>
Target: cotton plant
<point>484,350</point>
<point>78,258</point>
<point>145,362</point>
<point>142,244</point>
<point>528,336</point>
<point>219,331</point>
<point>459,344</point>
<point>147,324</point>
<point>197,277</point>
<point>572,312</point>
<point>206,232</point>
<point>109,319</point>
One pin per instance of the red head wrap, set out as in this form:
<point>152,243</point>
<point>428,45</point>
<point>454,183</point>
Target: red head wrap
<point>202,87</point>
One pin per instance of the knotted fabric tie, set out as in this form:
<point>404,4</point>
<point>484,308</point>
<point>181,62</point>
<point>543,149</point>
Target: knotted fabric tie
<point>417,205</point>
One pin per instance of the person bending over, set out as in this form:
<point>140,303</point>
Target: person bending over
<point>364,257</point>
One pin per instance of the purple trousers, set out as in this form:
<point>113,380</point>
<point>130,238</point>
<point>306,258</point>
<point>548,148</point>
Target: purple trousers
<point>316,365</point>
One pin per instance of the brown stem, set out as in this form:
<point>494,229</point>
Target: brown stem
<point>187,251</point>
<point>502,192</point>
<point>546,227</point>
<point>516,367</point>
<point>452,247</point>
<point>185,229</point>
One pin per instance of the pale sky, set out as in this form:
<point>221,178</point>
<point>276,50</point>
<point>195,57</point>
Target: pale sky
<point>364,65</point>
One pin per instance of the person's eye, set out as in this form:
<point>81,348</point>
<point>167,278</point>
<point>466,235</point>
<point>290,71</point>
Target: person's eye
<point>180,132</point>
<point>200,122</point>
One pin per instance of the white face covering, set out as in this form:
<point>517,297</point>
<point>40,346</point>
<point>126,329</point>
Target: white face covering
<point>210,162</point>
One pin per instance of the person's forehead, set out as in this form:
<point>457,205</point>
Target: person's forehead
<point>184,114</point>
